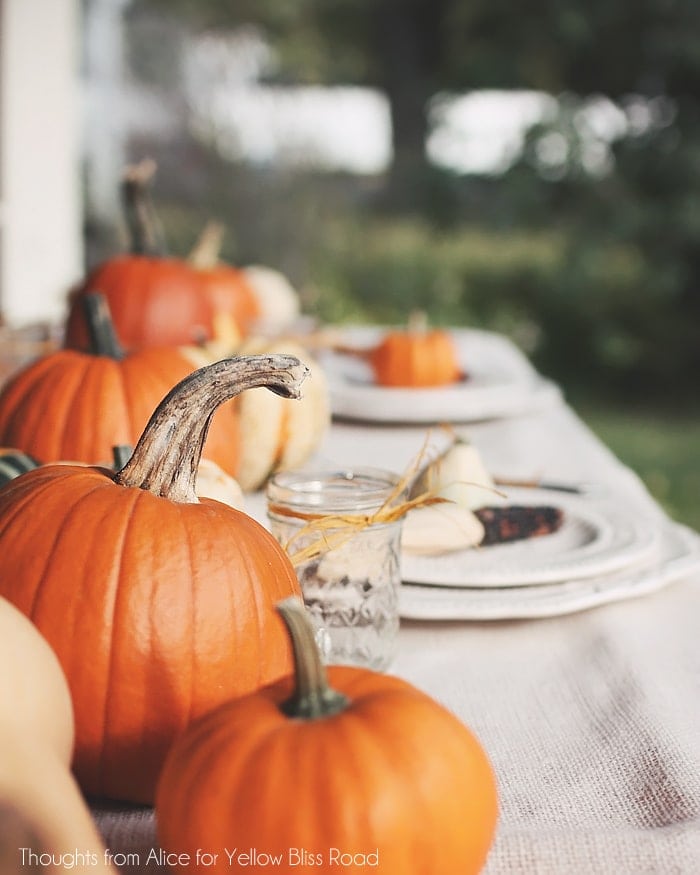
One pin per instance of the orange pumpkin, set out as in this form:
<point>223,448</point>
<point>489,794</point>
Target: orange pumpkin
<point>155,300</point>
<point>159,606</point>
<point>78,405</point>
<point>367,765</point>
<point>415,357</point>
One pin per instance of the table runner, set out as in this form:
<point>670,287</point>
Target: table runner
<point>591,720</point>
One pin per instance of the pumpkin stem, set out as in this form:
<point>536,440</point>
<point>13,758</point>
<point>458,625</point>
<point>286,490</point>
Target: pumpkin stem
<point>417,322</point>
<point>206,251</point>
<point>103,337</point>
<point>145,237</point>
<point>312,697</point>
<point>167,454</point>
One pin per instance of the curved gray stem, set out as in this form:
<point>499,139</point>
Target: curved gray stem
<point>167,454</point>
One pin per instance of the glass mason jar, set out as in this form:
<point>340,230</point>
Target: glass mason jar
<point>350,580</point>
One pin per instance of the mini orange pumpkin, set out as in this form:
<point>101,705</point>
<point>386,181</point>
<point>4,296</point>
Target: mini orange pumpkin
<point>78,405</point>
<point>159,606</point>
<point>415,357</point>
<point>373,765</point>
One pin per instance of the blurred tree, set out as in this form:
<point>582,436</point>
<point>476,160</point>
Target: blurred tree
<point>415,49</point>
<point>619,304</point>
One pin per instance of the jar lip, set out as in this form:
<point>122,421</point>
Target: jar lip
<point>333,489</point>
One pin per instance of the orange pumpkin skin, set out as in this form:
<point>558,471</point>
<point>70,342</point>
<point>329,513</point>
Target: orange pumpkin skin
<point>230,296</point>
<point>154,302</point>
<point>417,359</point>
<point>74,405</point>
<point>394,772</point>
<point>158,611</point>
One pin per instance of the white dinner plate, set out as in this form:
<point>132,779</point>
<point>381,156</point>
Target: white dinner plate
<point>678,555</point>
<point>595,538</point>
<point>501,382</point>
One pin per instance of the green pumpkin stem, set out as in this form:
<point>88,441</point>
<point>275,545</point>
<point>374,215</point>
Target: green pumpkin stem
<point>312,697</point>
<point>167,455</point>
<point>417,322</point>
<point>145,237</point>
<point>103,337</point>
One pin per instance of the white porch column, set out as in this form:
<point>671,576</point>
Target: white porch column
<point>41,251</point>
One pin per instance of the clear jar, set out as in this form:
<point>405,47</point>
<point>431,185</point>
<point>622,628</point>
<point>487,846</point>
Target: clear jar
<point>351,585</point>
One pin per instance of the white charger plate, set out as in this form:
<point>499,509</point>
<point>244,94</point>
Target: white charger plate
<point>595,538</point>
<point>678,555</point>
<point>501,383</point>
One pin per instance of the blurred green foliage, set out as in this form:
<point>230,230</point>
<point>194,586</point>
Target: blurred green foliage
<point>586,251</point>
<point>661,446</point>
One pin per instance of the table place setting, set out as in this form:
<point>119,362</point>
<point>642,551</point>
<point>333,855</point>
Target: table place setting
<point>496,381</point>
<point>474,540</point>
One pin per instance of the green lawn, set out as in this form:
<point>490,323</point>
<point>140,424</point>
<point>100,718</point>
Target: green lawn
<point>662,447</point>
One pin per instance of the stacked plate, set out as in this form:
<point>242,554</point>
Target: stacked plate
<point>606,549</point>
<point>603,552</point>
<point>500,382</point>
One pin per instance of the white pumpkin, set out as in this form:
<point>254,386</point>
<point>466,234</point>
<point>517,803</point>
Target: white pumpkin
<point>459,475</point>
<point>214,482</point>
<point>274,433</point>
<point>276,297</point>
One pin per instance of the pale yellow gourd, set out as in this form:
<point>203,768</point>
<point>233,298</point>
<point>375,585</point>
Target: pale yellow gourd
<point>41,807</point>
<point>274,433</point>
<point>43,811</point>
<point>213,482</point>
<point>34,697</point>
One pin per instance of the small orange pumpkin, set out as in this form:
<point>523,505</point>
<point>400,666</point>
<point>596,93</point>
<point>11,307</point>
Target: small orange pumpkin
<point>78,405</point>
<point>415,357</point>
<point>159,606</point>
<point>373,766</point>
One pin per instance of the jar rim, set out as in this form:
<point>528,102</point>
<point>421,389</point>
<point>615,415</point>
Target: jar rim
<point>333,490</point>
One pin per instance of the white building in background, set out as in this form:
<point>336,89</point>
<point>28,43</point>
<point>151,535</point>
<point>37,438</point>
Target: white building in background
<point>41,252</point>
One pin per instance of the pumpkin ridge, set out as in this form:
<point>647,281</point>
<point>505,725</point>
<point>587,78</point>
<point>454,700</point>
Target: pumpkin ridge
<point>41,582</point>
<point>193,623</point>
<point>118,588</point>
<point>76,381</point>
<point>25,427</point>
<point>137,408</point>
<point>400,774</point>
<point>203,759</point>
<point>66,382</point>
<point>249,567</point>
<point>84,424</point>
<point>18,504</point>
<point>20,383</point>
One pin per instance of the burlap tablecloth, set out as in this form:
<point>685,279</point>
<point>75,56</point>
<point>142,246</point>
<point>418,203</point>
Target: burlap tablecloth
<point>591,720</point>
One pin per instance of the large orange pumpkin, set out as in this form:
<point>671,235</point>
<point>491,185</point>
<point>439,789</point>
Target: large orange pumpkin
<point>155,300</point>
<point>416,357</point>
<point>158,605</point>
<point>365,773</point>
<point>78,405</point>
